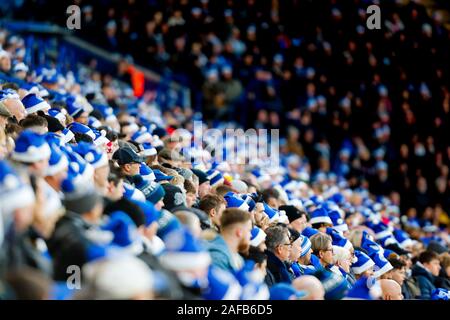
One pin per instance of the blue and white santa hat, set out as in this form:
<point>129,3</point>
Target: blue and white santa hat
<point>363,263</point>
<point>14,193</point>
<point>106,111</point>
<point>273,214</point>
<point>305,246</point>
<point>47,75</point>
<point>368,244</point>
<point>58,114</point>
<point>320,215</point>
<point>402,238</point>
<point>338,198</point>
<point>30,147</point>
<point>100,137</point>
<point>20,67</point>
<point>93,122</point>
<point>67,135</point>
<point>251,203</point>
<point>148,150</point>
<point>382,265</point>
<point>142,136</point>
<point>74,108</point>
<point>183,251</point>
<point>160,176</point>
<point>376,206</point>
<point>77,127</point>
<point>252,282</point>
<point>122,227</point>
<point>96,157</point>
<point>34,103</point>
<point>222,285</point>
<point>149,210</point>
<point>364,289</point>
<point>317,200</point>
<point>146,172</point>
<point>329,205</point>
<point>338,239</point>
<point>83,170</point>
<point>258,236</point>
<point>308,204</point>
<point>215,177</point>
<point>131,193</point>
<point>58,161</point>
<point>387,241</point>
<point>440,294</point>
<point>338,223</point>
<point>8,94</point>
<point>381,230</point>
<point>37,88</point>
<point>285,291</point>
<point>309,232</point>
<point>55,139</point>
<point>233,201</point>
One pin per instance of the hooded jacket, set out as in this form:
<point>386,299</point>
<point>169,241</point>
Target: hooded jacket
<point>425,280</point>
<point>221,256</point>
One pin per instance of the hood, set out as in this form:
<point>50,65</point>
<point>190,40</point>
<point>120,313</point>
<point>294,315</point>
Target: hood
<point>418,270</point>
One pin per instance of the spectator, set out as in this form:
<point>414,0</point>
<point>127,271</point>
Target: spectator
<point>278,252</point>
<point>370,176</point>
<point>4,115</point>
<point>129,161</point>
<point>342,261</point>
<point>70,244</point>
<point>204,187</point>
<point>443,280</point>
<point>11,101</point>
<point>191,221</point>
<point>297,218</point>
<point>425,271</point>
<point>29,284</point>
<point>234,239</point>
<point>311,285</point>
<point>398,274</point>
<point>214,206</point>
<point>321,246</point>
<point>303,265</point>
<point>391,290</point>
<point>363,266</point>
<point>127,278</point>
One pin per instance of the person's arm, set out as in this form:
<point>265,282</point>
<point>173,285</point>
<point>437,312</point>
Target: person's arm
<point>425,288</point>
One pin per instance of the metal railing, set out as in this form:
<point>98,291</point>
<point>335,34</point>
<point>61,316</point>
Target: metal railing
<point>171,91</point>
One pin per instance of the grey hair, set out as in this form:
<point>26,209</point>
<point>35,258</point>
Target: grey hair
<point>276,236</point>
<point>188,219</point>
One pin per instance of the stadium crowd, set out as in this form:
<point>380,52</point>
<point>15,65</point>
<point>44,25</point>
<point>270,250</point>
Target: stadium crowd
<point>120,191</point>
<point>365,104</point>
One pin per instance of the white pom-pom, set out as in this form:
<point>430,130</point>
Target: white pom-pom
<point>89,157</point>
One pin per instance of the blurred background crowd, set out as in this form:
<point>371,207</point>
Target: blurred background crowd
<point>97,172</point>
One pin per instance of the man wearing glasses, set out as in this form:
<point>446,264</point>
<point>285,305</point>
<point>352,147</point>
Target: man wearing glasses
<point>278,251</point>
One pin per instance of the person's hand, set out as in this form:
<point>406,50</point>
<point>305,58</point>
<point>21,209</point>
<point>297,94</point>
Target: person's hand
<point>258,212</point>
<point>264,223</point>
<point>261,219</point>
<point>259,209</point>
